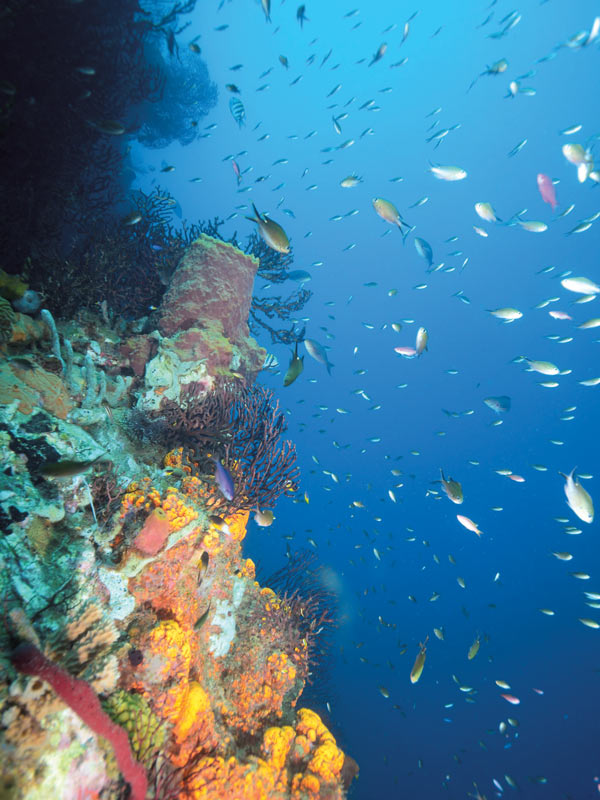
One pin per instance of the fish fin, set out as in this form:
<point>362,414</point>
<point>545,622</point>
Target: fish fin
<point>329,365</point>
<point>510,222</point>
<point>474,82</point>
<point>409,229</point>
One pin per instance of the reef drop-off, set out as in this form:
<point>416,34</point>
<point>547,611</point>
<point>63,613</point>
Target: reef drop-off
<point>122,582</point>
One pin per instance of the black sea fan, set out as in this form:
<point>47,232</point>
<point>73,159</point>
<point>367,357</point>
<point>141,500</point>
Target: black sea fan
<point>243,426</point>
<point>188,95</point>
<point>309,613</point>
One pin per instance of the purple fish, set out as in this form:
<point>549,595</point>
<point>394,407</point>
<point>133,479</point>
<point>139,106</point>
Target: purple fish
<point>224,480</point>
<point>547,190</point>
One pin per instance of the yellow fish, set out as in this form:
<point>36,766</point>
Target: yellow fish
<point>389,213</point>
<point>417,669</point>
<point>474,649</point>
<point>272,233</point>
<point>295,367</point>
<point>452,488</point>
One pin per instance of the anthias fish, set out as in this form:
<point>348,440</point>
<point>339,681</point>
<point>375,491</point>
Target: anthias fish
<point>272,233</point>
<point>224,480</point>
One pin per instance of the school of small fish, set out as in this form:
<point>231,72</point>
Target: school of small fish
<point>355,98</point>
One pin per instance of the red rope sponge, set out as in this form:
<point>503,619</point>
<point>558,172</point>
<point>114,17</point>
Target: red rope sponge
<point>80,696</point>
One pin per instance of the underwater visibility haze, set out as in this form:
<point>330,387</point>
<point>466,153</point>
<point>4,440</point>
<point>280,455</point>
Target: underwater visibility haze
<point>351,550</point>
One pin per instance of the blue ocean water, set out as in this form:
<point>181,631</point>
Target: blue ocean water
<point>392,546</point>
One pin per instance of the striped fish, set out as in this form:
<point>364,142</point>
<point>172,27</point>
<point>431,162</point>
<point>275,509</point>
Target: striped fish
<point>237,110</point>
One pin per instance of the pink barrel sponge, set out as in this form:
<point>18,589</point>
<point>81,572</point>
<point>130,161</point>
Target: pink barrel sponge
<point>154,534</point>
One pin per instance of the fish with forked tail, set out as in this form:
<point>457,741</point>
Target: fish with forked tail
<point>224,480</point>
<point>318,352</point>
<point>295,367</point>
<point>452,488</point>
<point>272,233</point>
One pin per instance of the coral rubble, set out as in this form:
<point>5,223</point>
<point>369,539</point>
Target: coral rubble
<point>139,656</point>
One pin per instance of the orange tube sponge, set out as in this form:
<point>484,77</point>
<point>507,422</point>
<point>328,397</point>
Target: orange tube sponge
<point>327,761</point>
<point>302,747</point>
<point>163,675</point>
<point>177,511</point>
<point>276,745</point>
<point>306,785</point>
<point>237,525</point>
<point>216,778</point>
<point>211,542</point>
<point>309,723</point>
<point>195,711</point>
<point>176,459</point>
<point>248,569</point>
<point>258,695</point>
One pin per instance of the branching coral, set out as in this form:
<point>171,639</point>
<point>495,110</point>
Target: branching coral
<point>277,308</point>
<point>302,613</point>
<point>126,266</point>
<point>200,418</point>
<point>106,492</point>
<point>242,426</point>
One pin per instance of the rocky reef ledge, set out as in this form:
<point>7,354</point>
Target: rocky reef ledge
<point>139,656</point>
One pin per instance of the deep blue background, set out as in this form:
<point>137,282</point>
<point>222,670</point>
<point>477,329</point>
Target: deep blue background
<point>557,736</point>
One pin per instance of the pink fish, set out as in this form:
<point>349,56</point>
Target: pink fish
<point>510,698</point>
<point>559,315</point>
<point>406,352</point>
<point>546,188</point>
<point>236,169</point>
<point>468,524</point>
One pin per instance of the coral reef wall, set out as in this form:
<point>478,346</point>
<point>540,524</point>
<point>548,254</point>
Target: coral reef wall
<point>119,581</point>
